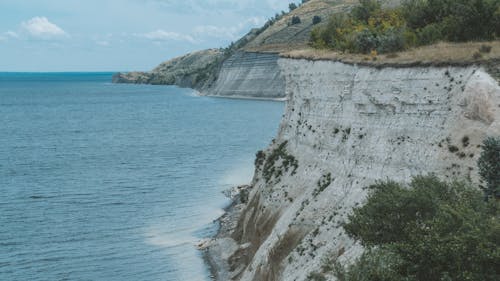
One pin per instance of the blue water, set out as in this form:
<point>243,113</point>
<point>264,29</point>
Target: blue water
<point>117,182</point>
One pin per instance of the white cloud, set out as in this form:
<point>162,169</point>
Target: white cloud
<point>8,35</point>
<point>11,34</point>
<point>162,35</point>
<point>41,27</point>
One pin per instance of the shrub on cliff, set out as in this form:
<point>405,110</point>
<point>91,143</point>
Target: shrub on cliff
<point>489,166</point>
<point>369,27</point>
<point>460,20</point>
<point>431,230</point>
<point>316,20</point>
<point>296,20</point>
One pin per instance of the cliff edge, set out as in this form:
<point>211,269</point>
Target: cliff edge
<point>345,127</point>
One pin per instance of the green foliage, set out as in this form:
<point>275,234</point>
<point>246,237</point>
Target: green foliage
<point>429,34</point>
<point>392,40</point>
<point>292,6</point>
<point>316,20</point>
<point>374,264</point>
<point>458,20</point>
<point>369,27</point>
<point>437,230</point>
<point>260,157</point>
<point>364,11</point>
<point>365,41</point>
<point>296,20</point>
<point>323,183</point>
<point>278,162</point>
<point>489,166</point>
<point>315,276</point>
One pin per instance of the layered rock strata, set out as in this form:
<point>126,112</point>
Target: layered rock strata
<point>345,128</point>
<point>247,74</point>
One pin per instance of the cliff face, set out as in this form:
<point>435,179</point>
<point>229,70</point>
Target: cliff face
<point>247,74</point>
<point>346,127</point>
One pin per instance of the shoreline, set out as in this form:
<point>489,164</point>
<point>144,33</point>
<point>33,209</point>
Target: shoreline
<point>236,97</point>
<point>217,249</point>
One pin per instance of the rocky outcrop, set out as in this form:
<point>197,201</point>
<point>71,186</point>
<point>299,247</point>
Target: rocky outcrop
<point>245,74</point>
<point>345,127</point>
<point>197,70</point>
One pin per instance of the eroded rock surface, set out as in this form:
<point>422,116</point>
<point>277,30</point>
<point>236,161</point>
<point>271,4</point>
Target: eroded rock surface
<point>346,127</point>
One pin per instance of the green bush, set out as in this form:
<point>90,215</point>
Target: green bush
<point>370,27</point>
<point>367,28</point>
<point>364,11</point>
<point>374,264</point>
<point>429,34</point>
<point>437,230</point>
<point>489,166</point>
<point>460,20</point>
<point>329,36</point>
<point>365,41</point>
<point>296,20</point>
<point>315,276</point>
<point>392,40</point>
<point>316,20</point>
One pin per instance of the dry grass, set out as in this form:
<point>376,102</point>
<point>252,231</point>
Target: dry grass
<point>437,54</point>
<point>278,36</point>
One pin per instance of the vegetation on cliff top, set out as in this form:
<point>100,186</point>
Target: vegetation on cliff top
<point>431,230</point>
<point>369,28</point>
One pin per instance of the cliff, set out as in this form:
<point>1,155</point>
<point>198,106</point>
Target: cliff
<point>247,74</point>
<point>345,127</point>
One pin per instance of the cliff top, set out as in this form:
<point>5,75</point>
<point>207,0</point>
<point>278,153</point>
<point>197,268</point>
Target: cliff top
<point>436,54</point>
<point>486,54</point>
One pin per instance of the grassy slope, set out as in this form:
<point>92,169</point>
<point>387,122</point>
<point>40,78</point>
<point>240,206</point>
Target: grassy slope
<point>282,37</point>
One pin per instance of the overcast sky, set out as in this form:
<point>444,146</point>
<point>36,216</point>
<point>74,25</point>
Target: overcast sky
<point>120,35</point>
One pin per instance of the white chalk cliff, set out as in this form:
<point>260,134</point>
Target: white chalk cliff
<point>345,127</point>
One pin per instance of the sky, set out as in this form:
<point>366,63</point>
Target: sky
<point>120,35</point>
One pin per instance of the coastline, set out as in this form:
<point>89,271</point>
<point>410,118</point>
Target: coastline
<point>216,250</point>
<point>237,97</point>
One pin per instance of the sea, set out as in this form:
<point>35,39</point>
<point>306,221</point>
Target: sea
<point>102,181</point>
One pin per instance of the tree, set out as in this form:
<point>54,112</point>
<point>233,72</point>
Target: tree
<point>489,166</point>
<point>292,6</point>
<point>296,20</point>
<point>316,19</point>
<point>430,230</point>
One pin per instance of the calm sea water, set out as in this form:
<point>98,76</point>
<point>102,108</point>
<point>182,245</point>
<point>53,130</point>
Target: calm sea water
<point>117,182</point>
